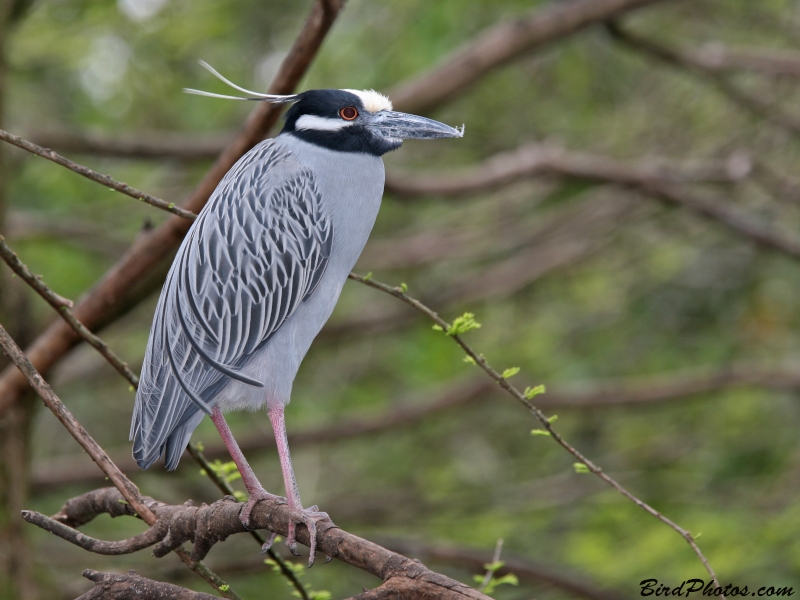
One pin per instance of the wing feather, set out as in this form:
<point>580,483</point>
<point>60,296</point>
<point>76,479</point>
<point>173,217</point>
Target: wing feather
<point>258,249</point>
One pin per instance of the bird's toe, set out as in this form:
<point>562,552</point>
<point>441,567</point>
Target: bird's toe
<point>309,517</point>
<point>255,498</point>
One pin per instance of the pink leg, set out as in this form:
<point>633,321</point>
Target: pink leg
<point>251,482</point>
<point>289,481</point>
<point>308,516</point>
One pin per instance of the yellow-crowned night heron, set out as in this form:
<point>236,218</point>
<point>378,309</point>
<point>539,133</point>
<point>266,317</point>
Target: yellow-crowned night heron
<point>259,273</point>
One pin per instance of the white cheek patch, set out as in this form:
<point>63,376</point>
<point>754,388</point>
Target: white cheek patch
<point>321,123</point>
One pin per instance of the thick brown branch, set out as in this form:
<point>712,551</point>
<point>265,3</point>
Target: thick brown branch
<point>152,249</point>
<point>105,180</point>
<point>207,525</point>
<point>500,44</point>
<point>111,586</point>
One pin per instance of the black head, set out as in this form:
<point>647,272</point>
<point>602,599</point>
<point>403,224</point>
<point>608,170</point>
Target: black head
<point>345,120</point>
<point>357,121</point>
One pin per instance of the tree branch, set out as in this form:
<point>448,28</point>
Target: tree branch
<point>500,44</point>
<point>535,160</point>
<point>63,306</point>
<point>111,586</point>
<point>718,57</point>
<point>524,399</point>
<point>601,169</point>
<point>207,525</point>
<point>105,180</point>
<point>150,145</point>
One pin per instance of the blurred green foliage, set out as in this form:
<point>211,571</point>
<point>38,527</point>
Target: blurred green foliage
<point>666,291</point>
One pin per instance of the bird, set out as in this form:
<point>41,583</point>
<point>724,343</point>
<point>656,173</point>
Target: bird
<point>259,273</point>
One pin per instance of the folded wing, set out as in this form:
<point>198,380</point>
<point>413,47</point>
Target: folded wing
<point>257,251</point>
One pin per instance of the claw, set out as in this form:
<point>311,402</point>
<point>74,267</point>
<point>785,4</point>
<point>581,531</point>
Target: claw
<point>268,544</point>
<point>308,517</point>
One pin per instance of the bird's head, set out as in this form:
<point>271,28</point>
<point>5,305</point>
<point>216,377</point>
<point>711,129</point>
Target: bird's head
<point>358,121</point>
<point>347,120</point>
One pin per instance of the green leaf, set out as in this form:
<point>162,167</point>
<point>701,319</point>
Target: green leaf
<point>494,566</point>
<point>510,372</point>
<point>437,328</point>
<point>532,392</point>
<point>224,588</point>
<point>368,276</point>
<point>469,360</point>
<point>463,324</point>
<point>403,288</point>
<point>539,432</point>
<point>507,579</point>
<point>200,447</point>
<point>553,419</point>
<point>580,468</point>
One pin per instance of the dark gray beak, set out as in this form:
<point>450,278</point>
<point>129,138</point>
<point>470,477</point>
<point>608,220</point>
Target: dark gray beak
<point>402,126</point>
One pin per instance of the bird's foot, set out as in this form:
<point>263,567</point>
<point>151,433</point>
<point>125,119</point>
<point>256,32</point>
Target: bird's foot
<point>244,516</point>
<point>308,517</point>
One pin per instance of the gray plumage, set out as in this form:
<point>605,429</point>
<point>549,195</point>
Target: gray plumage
<point>254,281</point>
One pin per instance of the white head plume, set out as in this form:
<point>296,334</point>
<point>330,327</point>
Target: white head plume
<point>257,96</point>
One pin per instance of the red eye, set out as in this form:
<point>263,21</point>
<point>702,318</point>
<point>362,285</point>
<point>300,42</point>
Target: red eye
<point>348,113</point>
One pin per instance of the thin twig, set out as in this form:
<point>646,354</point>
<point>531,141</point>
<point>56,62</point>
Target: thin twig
<point>64,306</point>
<point>226,488</point>
<point>105,180</point>
<point>125,486</point>
<point>498,549</point>
<point>138,542</point>
<point>479,360</point>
